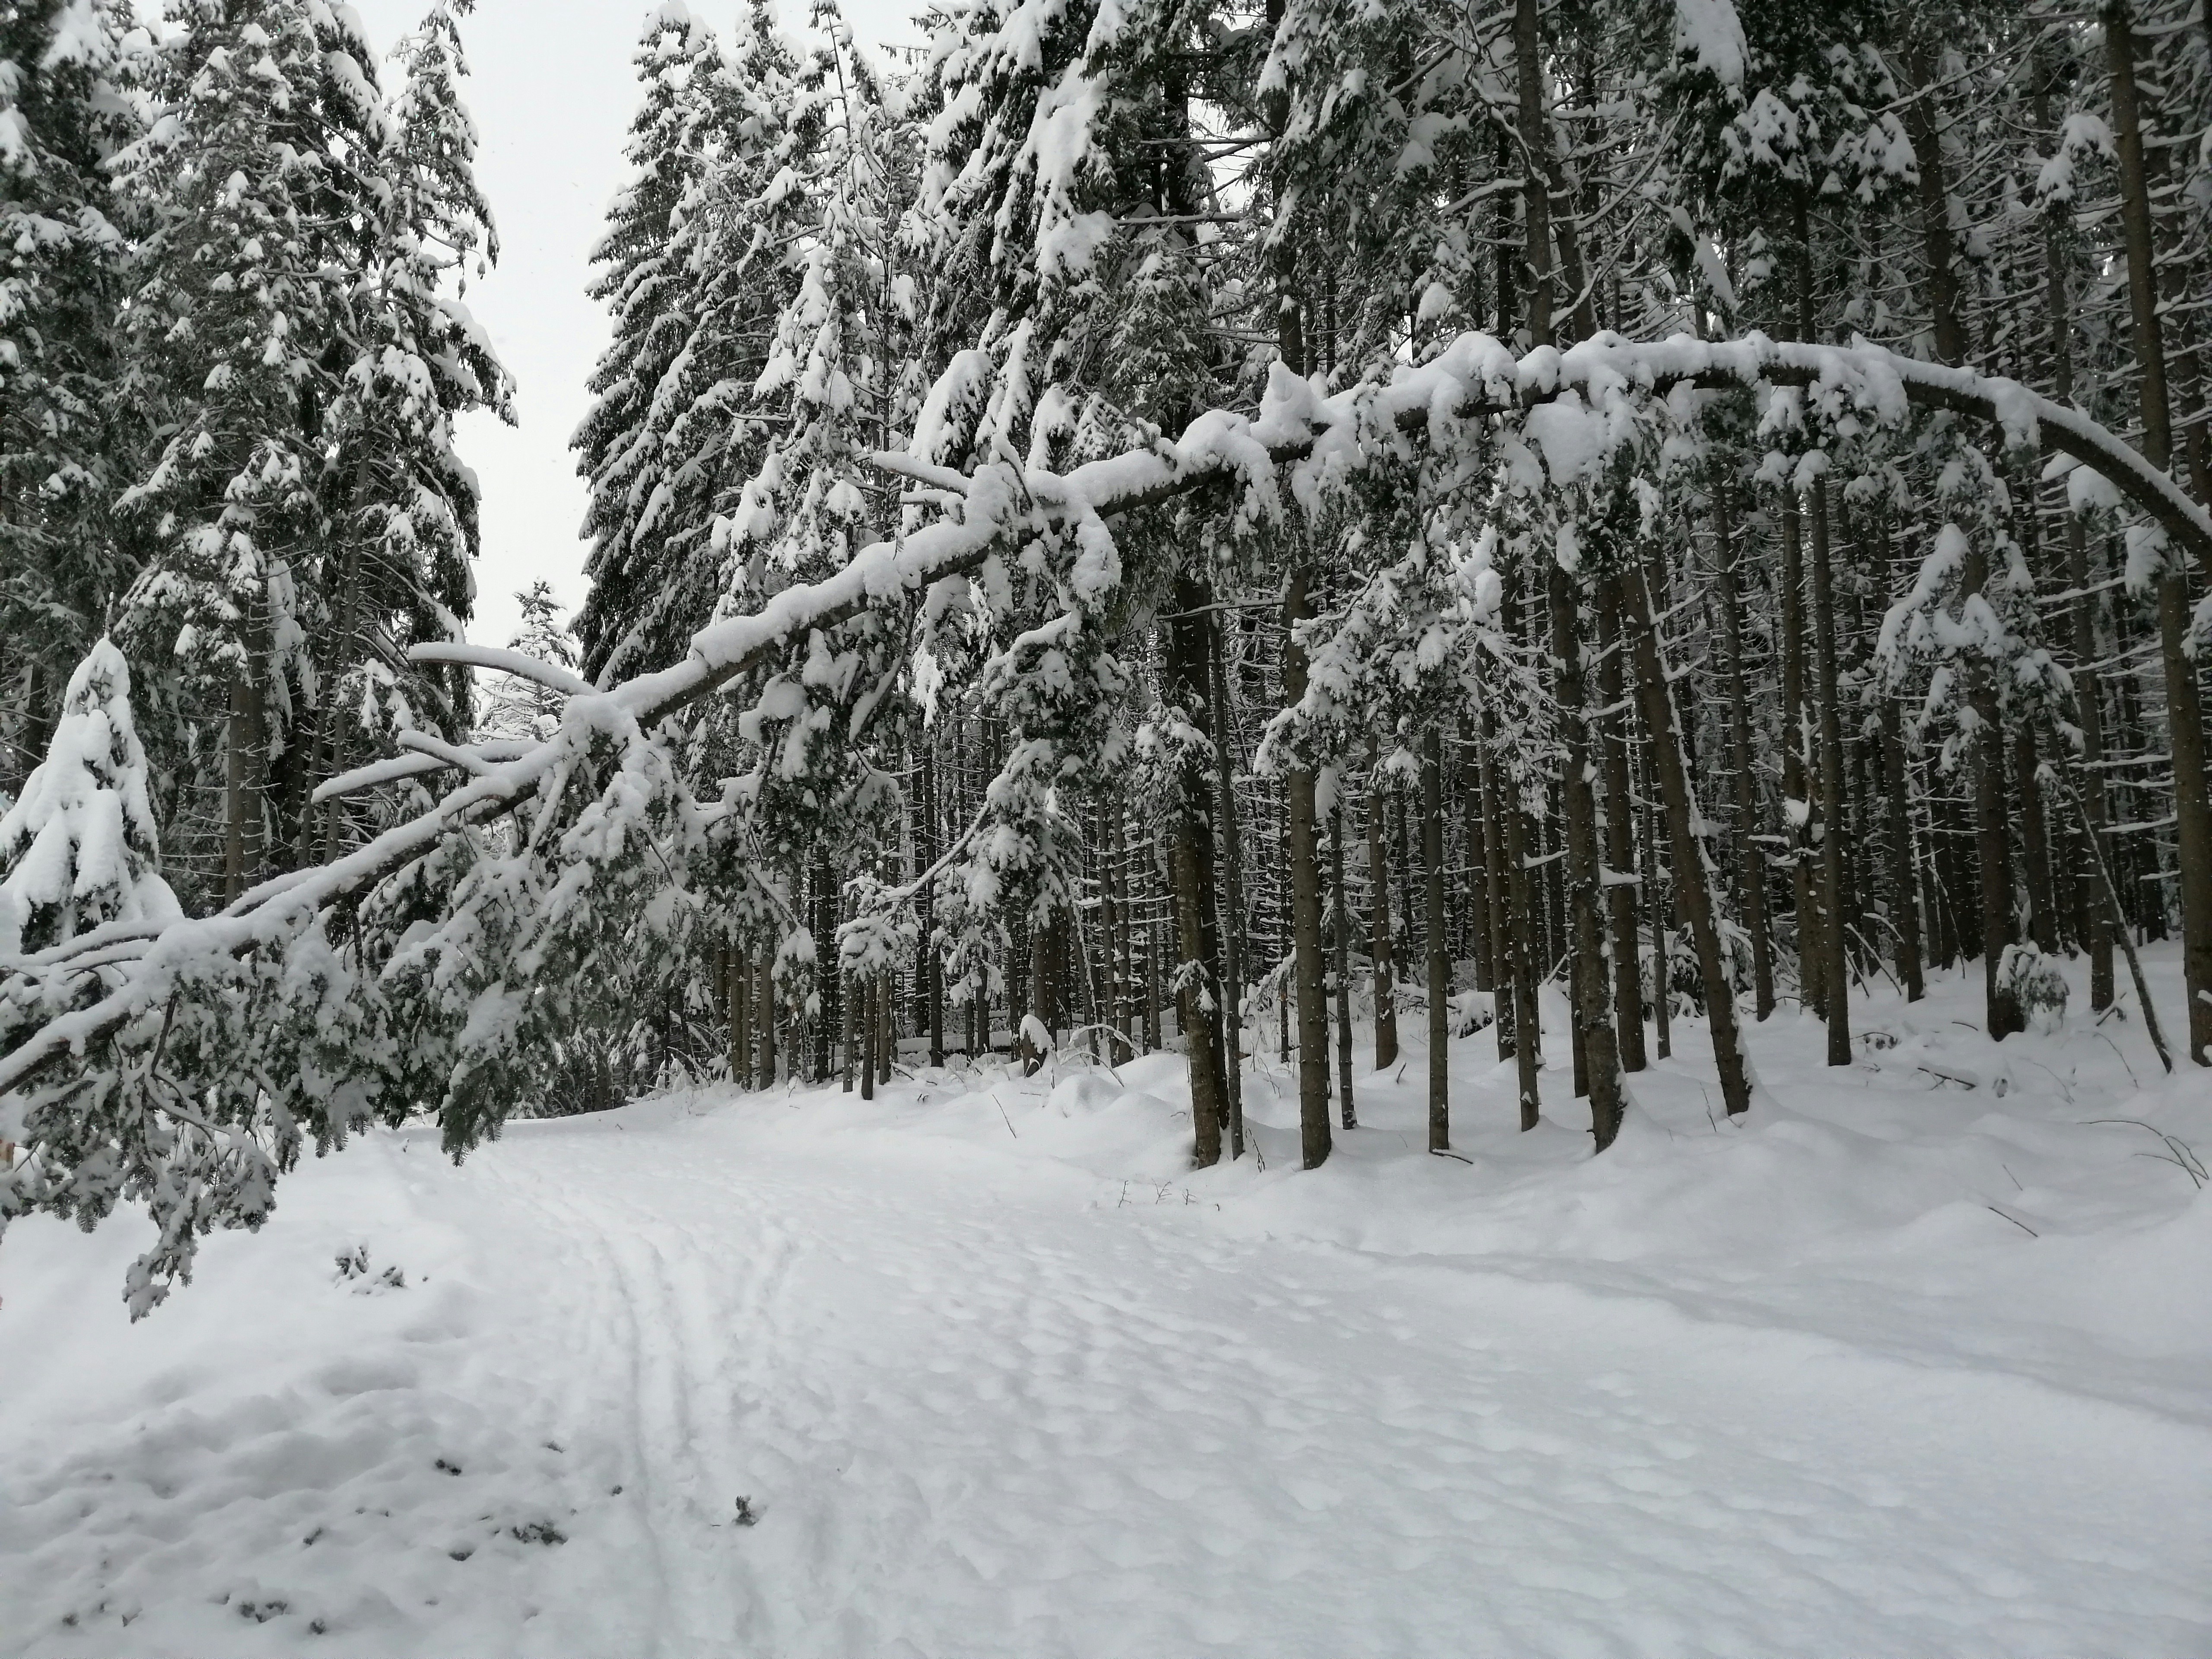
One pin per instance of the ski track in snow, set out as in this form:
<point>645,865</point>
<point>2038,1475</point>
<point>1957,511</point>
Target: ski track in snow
<point>989,1407</point>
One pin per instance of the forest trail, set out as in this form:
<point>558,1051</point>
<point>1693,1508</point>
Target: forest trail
<point>985,1399</point>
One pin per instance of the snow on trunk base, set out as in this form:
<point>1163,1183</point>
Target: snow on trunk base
<point>1916,1365</point>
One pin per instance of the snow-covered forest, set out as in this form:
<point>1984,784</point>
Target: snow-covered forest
<point>1538,581</point>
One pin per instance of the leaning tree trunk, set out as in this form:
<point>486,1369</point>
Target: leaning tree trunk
<point>1592,1012</point>
<point>1693,874</point>
<point>2192,811</point>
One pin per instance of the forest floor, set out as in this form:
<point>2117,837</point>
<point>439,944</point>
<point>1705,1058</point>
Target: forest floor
<point>1916,1360</point>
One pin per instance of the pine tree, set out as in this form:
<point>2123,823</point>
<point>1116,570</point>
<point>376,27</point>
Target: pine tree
<point>81,850</point>
<point>646,286</point>
<point>63,432</point>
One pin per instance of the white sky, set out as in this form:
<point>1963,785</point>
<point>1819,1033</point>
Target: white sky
<point>552,93</point>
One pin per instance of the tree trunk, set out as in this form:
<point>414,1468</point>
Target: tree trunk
<point>1436,938</point>
<point>1341,913</point>
<point>247,750</point>
<point>2192,810</point>
<point>738,973</point>
<point>1191,879</point>
<point>1378,919</point>
<point>1693,877</point>
<point>765,1011</point>
<point>1903,888</point>
<point>1308,964</point>
<point>1835,972</point>
<point>1521,930</point>
<point>1620,894</point>
<point>2035,849</point>
<point>1231,922</point>
<point>1751,857</point>
<point>1593,1017</point>
<point>1797,783</point>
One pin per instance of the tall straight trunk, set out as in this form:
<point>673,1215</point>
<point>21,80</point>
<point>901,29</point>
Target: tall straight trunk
<point>1495,881</point>
<point>1521,932</point>
<point>1797,783</point>
<point>1620,892</point>
<point>323,736</point>
<point>1110,924</point>
<point>1592,1014</point>
<point>1378,918</point>
<point>1535,196</point>
<point>1307,965</point>
<point>1835,970</point>
<point>2035,849</point>
<point>1340,911</point>
<point>765,1006</point>
<point>1659,904</point>
<point>246,771</point>
<point>2192,810</point>
<point>1436,938</point>
<point>2089,719</point>
<point>1992,819</point>
<point>825,943</point>
<point>1904,894</point>
<point>1693,876</point>
<point>1232,914</point>
<point>848,1002</point>
<point>929,964</point>
<point>1479,926</point>
<point>865,995</point>
<point>1939,246</point>
<point>738,975</point>
<point>1191,879</point>
<point>1750,858</point>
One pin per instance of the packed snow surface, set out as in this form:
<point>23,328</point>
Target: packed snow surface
<point>1912,1362</point>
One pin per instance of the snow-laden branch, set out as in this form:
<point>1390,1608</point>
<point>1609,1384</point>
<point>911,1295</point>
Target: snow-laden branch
<point>551,675</point>
<point>1315,437</point>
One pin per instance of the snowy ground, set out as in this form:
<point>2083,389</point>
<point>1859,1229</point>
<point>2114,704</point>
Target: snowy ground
<point>1902,1366</point>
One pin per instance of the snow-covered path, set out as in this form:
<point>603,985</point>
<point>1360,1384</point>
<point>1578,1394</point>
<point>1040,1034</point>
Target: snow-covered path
<point>988,1402</point>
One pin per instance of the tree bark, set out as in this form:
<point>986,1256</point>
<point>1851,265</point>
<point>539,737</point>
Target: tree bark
<point>1231,926</point>
<point>1378,918</point>
<point>1434,928</point>
<point>1308,962</point>
<point>1521,932</point>
<point>1836,973</point>
<point>1751,857</point>
<point>1796,784</point>
<point>1903,888</point>
<point>1191,879</point>
<point>1593,1016</point>
<point>1620,895</point>
<point>2192,810</point>
<point>1342,912</point>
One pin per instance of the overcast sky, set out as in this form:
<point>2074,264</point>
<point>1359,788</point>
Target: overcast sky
<point>552,93</point>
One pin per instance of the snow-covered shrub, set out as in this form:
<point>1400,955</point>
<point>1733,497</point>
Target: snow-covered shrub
<point>81,849</point>
<point>2036,984</point>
